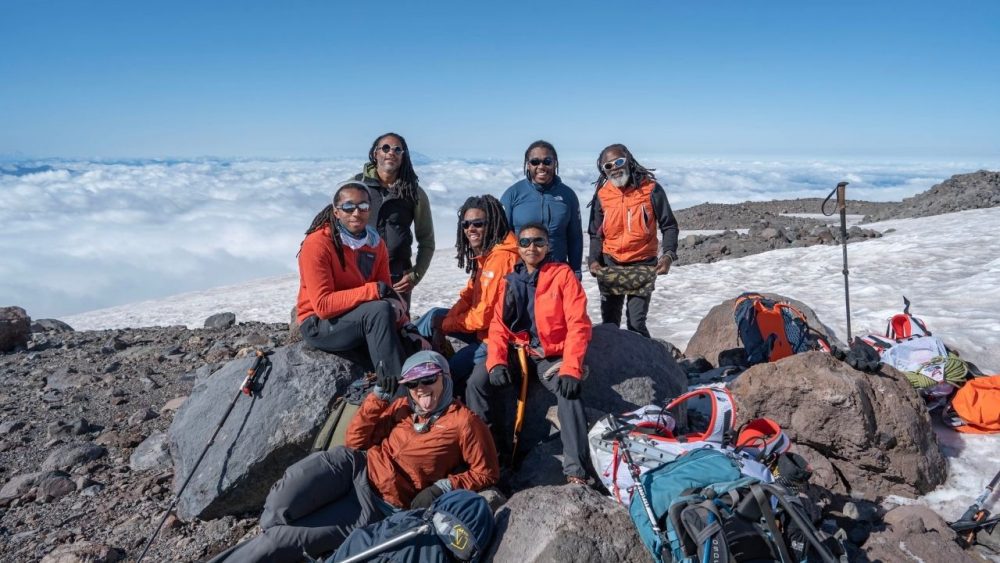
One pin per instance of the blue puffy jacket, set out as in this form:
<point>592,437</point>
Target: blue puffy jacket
<point>555,206</point>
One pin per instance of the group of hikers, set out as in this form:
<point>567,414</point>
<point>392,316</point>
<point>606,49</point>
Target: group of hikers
<point>432,424</point>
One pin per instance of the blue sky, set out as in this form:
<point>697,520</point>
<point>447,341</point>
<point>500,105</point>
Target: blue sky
<point>317,79</point>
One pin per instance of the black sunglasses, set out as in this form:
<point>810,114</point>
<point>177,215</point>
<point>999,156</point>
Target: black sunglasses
<point>429,380</point>
<point>477,223</point>
<point>547,161</point>
<point>351,207</point>
<point>387,148</point>
<point>540,242</point>
<point>614,164</point>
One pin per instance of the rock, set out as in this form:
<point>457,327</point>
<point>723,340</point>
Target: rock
<point>55,484</point>
<point>494,498</point>
<point>152,453</point>
<point>220,321</point>
<point>71,455</point>
<point>173,404</point>
<point>565,524</point>
<point>68,378</point>
<point>83,552</point>
<point>50,325</point>
<point>294,334</point>
<point>8,426</point>
<point>873,429</point>
<point>915,533</point>
<point>15,328</point>
<point>141,416</point>
<point>18,485</point>
<point>262,436</point>
<point>717,331</point>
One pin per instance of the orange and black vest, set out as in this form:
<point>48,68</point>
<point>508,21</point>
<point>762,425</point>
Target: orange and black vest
<point>629,227</point>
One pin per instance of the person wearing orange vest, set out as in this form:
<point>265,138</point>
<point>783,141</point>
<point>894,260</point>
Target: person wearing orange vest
<point>627,210</point>
<point>541,307</point>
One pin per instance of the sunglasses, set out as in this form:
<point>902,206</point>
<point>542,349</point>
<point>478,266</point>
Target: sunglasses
<point>547,161</point>
<point>476,223</point>
<point>387,148</point>
<point>525,242</point>
<point>426,381</point>
<point>614,164</point>
<point>350,207</point>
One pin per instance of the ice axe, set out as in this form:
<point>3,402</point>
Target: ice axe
<point>976,517</point>
<point>841,191</point>
<point>522,398</point>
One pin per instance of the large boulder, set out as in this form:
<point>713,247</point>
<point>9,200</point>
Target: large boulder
<point>565,523</point>
<point>261,437</point>
<point>863,433</point>
<point>15,328</point>
<point>50,325</point>
<point>717,331</point>
<point>916,533</point>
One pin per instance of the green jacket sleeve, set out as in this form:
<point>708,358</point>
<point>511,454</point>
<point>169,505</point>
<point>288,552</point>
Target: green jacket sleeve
<point>423,227</point>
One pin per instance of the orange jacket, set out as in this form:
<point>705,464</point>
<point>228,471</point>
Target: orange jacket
<point>327,290</point>
<point>560,317</point>
<point>402,462</point>
<point>474,309</point>
<point>624,222</point>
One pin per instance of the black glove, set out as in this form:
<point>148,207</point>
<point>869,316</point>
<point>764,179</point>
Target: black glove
<point>385,380</point>
<point>863,357</point>
<point>569,386</point>
<point>425,497</point>
<point>499,376</point>
<point>384,289</point>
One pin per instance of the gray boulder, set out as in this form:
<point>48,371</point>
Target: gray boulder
<point>71,455</point>
<point>717,331</point>
<point>565,524</point>
<point>871,432</point>
<point>152,453</point>
<point>261,437</point>
<point>220,321</point>
<point>50,325</point>
<point>68,378</point>
<point>916,533</point>
<point>83,552</point>
<point>18,485</point>
<point>15,328</point>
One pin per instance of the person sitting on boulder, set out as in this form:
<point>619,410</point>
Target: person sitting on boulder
<point>344,282</point>
<point>628,208</point>
<point>487,250</point>
<point>399,454</point>
<point>542,308</point>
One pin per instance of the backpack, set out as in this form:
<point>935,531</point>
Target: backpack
<point>334,430</point>
<point>709,511</point>
<point>458,526</point>
<point>771,330</point>
<point>904,325</point>
<point>975,408</point>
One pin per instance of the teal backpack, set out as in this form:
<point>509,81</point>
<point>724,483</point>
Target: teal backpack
<point>709,511</point>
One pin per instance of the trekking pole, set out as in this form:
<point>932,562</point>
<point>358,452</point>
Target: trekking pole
<point>841,191</point>
<point>389,544</point>
<point>249,388</point>
<point>976,515</point>
<point>522,398</point>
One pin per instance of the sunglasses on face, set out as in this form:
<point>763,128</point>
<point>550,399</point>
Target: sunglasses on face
<point>387,148</point>
<point>614,164</point>
<point>425,381</point>
<point>350,207</point>
<point>539,242</point>
<point>547,161</point>
<point>473,223</point>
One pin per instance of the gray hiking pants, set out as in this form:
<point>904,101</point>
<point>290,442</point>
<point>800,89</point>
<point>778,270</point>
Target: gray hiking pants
<point>372,323</point>
<point>312,508</point>
<point>636,307</point>
<point>480,394</point>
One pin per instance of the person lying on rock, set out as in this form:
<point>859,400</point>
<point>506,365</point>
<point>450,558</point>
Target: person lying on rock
<point>542,308</point>
<point>400,454</point>
<point>487,250</point>
<point>344,287</point>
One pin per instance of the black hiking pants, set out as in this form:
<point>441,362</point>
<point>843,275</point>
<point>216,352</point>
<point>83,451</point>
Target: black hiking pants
<point>637,308</point>
<point>372,323</point>
<point>480,397</point>
<point>312,508</point>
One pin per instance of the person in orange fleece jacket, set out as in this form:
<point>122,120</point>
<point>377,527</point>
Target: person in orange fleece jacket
<point>487,251</point>
<point>344,282</point>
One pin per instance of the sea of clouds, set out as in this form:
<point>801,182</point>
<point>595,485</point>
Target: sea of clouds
<point>79,236</point>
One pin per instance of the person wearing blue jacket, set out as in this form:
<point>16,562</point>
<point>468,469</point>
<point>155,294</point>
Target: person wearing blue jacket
<point>542,198</point>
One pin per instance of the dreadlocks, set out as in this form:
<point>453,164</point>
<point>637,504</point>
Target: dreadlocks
<point>544,145</point>
<point>406,182</point>
<point>327,217</point>
<point>637,173</point>
<point>494,232</point>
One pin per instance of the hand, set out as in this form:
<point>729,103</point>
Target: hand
<point>384,289</point>
<point>595,267</point>
<point>426,497</point>
<point>499,376</point>
<point>405,284</point>
<point>385,380</point>
<point>569,386</point>
<point>663,265</point>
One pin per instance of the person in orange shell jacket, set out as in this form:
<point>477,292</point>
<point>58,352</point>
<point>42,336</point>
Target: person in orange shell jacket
<point>543,308</point>
<point>344,282</point>
<point>399,454</point>
<point>487,250</point>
